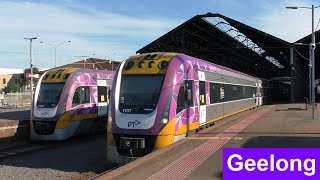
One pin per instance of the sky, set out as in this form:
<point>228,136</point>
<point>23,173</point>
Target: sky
<point>117,29</point>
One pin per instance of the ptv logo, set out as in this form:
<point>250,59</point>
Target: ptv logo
<point>133,123</point>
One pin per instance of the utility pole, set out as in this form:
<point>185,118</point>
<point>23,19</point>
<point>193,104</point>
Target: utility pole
<point>31,72</point>
<point>312,67</point>
<point>313,46</point>
<point>55,46</point>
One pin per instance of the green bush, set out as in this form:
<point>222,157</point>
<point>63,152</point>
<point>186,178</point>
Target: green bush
<point>11,88</point>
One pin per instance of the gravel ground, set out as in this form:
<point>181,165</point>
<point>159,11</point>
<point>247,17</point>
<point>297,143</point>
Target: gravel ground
<point>71,161</point>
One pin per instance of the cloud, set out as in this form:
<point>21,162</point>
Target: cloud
<point>90,30</point>
<point>290,25</point>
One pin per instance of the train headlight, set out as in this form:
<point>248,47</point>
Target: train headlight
<point>140,64</point>
<point>46,77</point>
<point>165,120</point>
<point>165,114</point>
<point>66,76</point>
<point>151,64</point>
<point>163,64</point>
<point>128,65</point>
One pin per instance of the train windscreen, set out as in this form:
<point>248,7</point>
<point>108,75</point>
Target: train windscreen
<point>49,94</point>
<point>139,94</point>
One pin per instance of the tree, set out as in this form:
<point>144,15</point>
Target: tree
<point>11,88</point>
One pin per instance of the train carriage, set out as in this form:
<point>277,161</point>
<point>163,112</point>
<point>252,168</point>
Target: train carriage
<point>160,98</point>
<point>70,101</point>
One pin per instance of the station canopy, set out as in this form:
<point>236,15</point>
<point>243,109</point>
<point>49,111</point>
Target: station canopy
<point>227,42</point>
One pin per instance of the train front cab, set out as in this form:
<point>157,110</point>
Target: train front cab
<point>140,104</point>
<point>68,102</point>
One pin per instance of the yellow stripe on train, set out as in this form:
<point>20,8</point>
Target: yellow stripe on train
<point>58,75</point>
<point>64,121</point>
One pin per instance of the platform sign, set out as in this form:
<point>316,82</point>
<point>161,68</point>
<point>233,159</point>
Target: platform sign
<point>28,75</point>
<point>271,163</point>
<point>102,82</point>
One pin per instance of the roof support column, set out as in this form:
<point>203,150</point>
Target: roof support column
<point>293,73</point>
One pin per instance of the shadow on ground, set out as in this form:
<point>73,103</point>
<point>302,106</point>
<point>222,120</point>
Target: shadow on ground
<point>79,156</point>
<point>282,142</point>
<point>14,114</point>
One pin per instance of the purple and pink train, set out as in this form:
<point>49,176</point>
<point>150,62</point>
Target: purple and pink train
<point>160,98</point>
<point>70,101</point>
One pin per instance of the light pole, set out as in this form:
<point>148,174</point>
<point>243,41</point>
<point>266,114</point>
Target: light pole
<point>111,62</point>
<point>84,60</point>
<point>31,72</point>
<point>55,46</point>
<point>312,59</point>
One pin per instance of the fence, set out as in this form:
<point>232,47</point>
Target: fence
<point>22,99</point>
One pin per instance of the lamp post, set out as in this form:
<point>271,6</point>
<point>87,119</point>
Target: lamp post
<point>111,62</point>
<point>31,72</point>
<point>55,46</point>
<point>312,59</point>
<point>85,59</point>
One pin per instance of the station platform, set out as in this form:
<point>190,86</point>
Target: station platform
<point>14,124</point>
<point>200,156</point>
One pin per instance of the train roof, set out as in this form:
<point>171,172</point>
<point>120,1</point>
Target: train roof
<point>169,55</point>
<point>62,74</point>
<point>217,66</point>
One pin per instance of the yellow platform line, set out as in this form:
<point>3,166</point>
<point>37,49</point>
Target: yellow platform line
<point>215,137</point>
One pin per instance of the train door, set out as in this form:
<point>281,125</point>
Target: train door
<point>102,97</point>
<point>258,93</point>
<point>202,98</point>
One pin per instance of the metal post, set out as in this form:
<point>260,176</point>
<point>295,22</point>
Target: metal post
<point>55,50</point>
<point>312,59</point>
<point>313,46</point>
<point>31,79</point>
<point>112,65</point>
<point>292,65</point>
<point>310,74</point>
<point>55,56</point>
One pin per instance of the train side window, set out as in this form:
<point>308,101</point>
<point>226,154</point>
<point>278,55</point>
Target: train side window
<point>214,93</point>
<point>181,101</point>
<point>189,89</point>
<point>185,96</point>
<point>81,96</point>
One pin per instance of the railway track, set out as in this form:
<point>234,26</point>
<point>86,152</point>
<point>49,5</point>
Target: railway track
<point>9,151</point>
